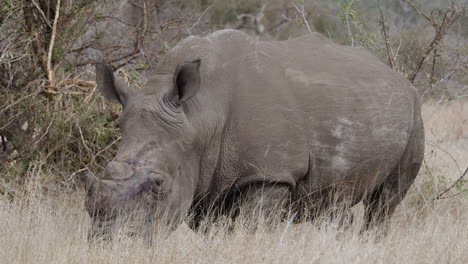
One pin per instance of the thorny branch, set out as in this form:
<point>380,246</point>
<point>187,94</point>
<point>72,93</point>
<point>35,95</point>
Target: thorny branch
<point>449,17</point>
<point>383,29</point>
<point>455,183</point>
<point>418,11</point>
<point>440,195</point>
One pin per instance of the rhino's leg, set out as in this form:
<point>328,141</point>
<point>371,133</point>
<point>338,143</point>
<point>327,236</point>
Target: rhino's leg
<point>334,211</point>
<point>343,216</point>
<point>251,205</point>
<point>382,202</point>
<point>263,204</point>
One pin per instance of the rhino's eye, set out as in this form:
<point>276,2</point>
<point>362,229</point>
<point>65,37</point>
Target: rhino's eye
<point>157,183</point>
<point>157,191</point>
<point>170,104</point>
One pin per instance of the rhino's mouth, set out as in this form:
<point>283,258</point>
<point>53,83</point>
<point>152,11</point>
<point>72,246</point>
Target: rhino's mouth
<point>153,188</point>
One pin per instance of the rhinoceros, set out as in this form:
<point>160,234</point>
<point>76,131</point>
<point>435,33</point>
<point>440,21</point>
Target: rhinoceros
<point>226,121</point>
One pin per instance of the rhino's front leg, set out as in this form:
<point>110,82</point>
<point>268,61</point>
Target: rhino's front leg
<point>263,204</point>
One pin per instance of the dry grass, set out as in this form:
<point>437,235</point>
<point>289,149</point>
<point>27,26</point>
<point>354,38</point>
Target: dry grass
<point>45,229</point>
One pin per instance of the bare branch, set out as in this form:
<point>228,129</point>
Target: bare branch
<point>200,17</point>
<point>50,71</point>
<point>441,28</point>
<point>301,11</point>
<point>383,29</point>
<point>46,20</point>
<point>434,59</point>
<point>418,11</point>
<point>440,195</point>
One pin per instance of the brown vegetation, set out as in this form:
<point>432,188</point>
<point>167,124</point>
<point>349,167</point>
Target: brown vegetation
<point>45,229</point>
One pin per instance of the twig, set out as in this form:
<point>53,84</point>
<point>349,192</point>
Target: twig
<point>82,139</point>
<point>383,29</point>
<point>74,173</point>
<point>434,59</point>
<point>447,153</point>
<point>22,98</point>
<point>76,30</point>
<point>145,21</point>
<point>42,13</point>
<point>440,32</point>
<point>200,17</point>
<point>449,17</point>
<point>439,196</point>
<point>47,130</point>
<point>106,148</point>
<point>462,174</point>
<point>418,11</point>
<point>302,12</point>
<point>50,71</point>
<point>349,28</point>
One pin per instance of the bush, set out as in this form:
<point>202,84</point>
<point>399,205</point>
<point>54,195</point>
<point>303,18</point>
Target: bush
<point>57,125</point>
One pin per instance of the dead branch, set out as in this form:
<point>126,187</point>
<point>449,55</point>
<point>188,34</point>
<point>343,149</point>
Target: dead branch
<point>76,30</point>
<point>460,178</point>
<point>349,28</point>
<point>449,17</point>
<point>302,12</point>
<point>145,22</point>
<point>200,17</point>
<point>42,13</point>
<point>434,58</point>
<point>105,148</point>
<point>418,11</point>
<point>447,153</point>
<point>440,195</point>
<point>24,97</point>
<point>50,71</point>
<point>383,30</point>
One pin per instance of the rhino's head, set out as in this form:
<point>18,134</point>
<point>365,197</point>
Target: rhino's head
<point>156,167</point>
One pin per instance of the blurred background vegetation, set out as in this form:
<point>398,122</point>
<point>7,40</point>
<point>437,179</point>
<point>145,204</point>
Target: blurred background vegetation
<point>54,124</point>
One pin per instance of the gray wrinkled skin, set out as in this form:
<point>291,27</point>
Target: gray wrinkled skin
<point>226,120</point>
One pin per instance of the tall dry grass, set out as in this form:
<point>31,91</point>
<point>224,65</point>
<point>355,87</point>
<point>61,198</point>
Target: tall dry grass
<point>49,229</point>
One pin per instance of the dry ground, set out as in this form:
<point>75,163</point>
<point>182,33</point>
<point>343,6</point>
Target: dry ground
<point>44,229</point>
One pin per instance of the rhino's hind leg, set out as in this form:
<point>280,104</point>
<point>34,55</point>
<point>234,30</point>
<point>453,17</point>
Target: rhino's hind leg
<point>382,202</point>
<point>380,205</point>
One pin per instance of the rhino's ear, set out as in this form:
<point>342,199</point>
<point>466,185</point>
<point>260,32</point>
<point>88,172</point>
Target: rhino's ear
<point>186,82</point>
<point>111,87</point>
